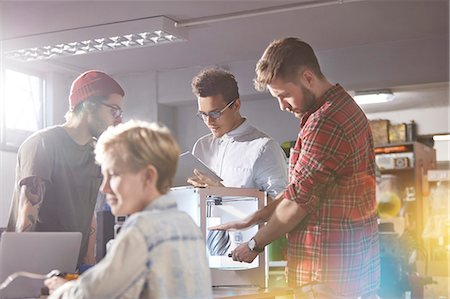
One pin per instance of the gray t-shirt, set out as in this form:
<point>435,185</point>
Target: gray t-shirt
<point>72,181</point>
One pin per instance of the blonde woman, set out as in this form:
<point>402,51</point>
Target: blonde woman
<point>159,252</point>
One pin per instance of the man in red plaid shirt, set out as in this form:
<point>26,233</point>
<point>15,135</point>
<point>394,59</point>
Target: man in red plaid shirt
<point>328,209</point>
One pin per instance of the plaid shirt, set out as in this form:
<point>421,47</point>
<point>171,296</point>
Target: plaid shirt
<point>332,177</point>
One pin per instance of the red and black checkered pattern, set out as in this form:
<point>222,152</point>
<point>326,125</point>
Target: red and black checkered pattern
<point>332,177</point>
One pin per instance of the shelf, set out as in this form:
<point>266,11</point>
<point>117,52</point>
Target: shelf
<point>394,170</point>
<point>277,263</point>
<point>395,144</point>
<point>394,148</point>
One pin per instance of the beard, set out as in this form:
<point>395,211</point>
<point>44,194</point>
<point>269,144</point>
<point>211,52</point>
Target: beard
<point>96,128</point>
<point>309,99</point>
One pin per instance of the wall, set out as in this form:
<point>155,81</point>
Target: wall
<point>7,173</point>
<point>166,115</point>
<point>430,120</point>
<point>141,93</point>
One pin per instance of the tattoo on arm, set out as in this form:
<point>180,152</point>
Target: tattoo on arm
<point>31,195</point>
<point>91,231</point>
<point>34,189</point>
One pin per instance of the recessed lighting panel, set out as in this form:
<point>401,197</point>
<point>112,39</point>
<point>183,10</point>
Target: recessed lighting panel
<point>94,39</point>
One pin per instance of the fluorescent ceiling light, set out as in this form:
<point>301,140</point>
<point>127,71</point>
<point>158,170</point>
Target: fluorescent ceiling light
<point>373,96</point>
<point>94,39</point>
<point>443,137</point>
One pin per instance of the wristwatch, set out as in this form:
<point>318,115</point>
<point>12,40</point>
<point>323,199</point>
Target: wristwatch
<point>252,246</point>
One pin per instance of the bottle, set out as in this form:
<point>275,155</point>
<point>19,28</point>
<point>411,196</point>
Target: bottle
<point>411,131</point>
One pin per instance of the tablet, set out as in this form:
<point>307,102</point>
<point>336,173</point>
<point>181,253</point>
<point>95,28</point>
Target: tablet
<point>185,169</point>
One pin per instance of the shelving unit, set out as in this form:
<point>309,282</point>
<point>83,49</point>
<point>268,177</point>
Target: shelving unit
<point>437,229</point>
<point>414,159</point>
<point>277,274</point>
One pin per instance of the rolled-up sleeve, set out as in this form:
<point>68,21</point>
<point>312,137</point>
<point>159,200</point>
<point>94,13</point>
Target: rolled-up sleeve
<point>324,151</point>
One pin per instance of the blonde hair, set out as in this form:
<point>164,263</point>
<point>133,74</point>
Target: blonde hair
<point>283,59</point>
<point>136,144</point>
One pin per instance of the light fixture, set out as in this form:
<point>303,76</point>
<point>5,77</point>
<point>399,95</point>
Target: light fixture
<point>261,12</point>
<point>441,137</point>
<point>92,39</point>
<point>373,96</point>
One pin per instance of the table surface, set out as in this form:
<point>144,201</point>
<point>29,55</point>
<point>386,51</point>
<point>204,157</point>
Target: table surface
<point>250,293</point>
<point>243,293</point>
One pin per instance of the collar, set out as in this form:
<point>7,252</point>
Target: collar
<point>164,202</point>
<point>239,131</point>
<point>328,95</point>
<point>90,145</point>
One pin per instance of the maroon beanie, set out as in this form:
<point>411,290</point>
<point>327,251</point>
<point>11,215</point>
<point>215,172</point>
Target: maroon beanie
<point>92,83</point>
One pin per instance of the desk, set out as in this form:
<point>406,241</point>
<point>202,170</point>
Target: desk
<point>246,293</point>
<point>251,293</point>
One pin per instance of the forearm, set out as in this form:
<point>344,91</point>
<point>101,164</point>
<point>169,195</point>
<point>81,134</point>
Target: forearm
<point>27,217</point>
<point>258,217</point>
<point>89,258</point>
<point>31,197</point>
<point>287,215</point>
<point>263,215</point>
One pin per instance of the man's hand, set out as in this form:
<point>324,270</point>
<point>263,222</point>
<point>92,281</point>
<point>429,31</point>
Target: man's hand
<point>260,216</point>
<point>233,225</point>
<point>242,253</point>
<point>53,283</point>
<point>201,180</point>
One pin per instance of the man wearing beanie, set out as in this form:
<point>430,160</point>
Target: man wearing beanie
<point>57,179</point>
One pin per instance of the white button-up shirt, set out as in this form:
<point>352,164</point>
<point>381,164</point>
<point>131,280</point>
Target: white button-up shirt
<point>245,158</point>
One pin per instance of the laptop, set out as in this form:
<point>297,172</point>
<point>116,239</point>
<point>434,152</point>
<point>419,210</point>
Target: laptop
<point>36,252</point>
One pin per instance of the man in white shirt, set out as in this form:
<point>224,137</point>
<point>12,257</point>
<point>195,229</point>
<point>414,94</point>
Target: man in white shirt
<point>239,153</point>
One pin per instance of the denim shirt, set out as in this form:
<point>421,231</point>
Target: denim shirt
<point>159,253</point>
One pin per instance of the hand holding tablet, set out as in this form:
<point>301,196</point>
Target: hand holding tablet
<point>202,177</point>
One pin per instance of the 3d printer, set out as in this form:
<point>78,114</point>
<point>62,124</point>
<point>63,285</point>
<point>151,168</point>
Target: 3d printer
<point>216,205</point>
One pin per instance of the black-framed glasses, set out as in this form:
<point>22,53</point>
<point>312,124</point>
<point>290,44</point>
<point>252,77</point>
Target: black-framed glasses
<point>213,114</point>
<point>116,111</point>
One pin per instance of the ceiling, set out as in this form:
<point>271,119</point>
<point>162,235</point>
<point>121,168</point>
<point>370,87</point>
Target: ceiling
<point>364,44</point>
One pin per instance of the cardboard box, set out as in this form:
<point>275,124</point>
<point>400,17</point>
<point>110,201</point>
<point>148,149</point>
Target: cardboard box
<point>380,131</point>
<point>397,133</point>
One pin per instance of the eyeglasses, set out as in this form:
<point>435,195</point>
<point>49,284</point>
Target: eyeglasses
<point>116,111</point>
<point>213,114</point>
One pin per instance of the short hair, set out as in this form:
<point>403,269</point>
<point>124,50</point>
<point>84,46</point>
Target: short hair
<point>214,81</point>
<point>78,110</point>
<point>136,144</point>
<point>283,59</point>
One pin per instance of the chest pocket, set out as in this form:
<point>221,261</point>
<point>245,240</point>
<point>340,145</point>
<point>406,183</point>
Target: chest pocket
<point>238,177</point>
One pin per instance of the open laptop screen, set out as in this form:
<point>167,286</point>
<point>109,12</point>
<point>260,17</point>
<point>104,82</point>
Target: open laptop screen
<point>37,252</point>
